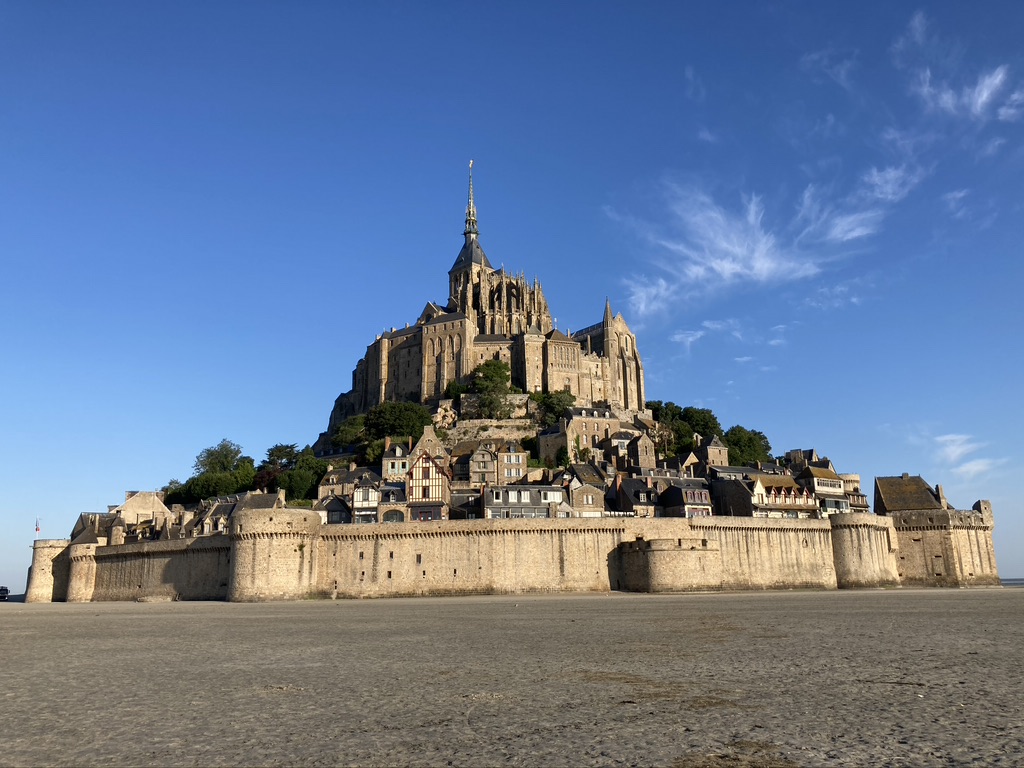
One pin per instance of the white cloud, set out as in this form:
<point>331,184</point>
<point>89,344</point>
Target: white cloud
<point>952,448</point>
<point>977,99</point>
<point>694,85</point>
<point>732,326</point>
<point>687,338</point>
<point>836,64</point>
<point>707,136</point>
<point>891,184</point>
<point>744,359</point>
<point>649,297</point>
<point>834,296</point>
<point>1013,107</point>
<point>971,470</point>
<point>852,226</point>
<point>955,203</point>
<point>708,243</point>
<point>776,342</point>
<point>992,146</point>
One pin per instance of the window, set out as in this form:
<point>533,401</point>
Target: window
<point>426,472</point>
<point>496,495</point>
<point>513,496</point>
<point>588,499</point>
<point>426,492</point>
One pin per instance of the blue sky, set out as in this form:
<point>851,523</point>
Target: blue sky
<point>809,213</point>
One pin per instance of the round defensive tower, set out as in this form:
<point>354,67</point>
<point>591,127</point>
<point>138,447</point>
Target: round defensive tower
<point>48,574</point>
<point>864,550</point>
<point>81,573</point>
<point>273,554</point>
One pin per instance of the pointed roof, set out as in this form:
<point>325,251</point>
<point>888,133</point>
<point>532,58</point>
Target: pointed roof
<point>471,252</point>
<point>607,311</point>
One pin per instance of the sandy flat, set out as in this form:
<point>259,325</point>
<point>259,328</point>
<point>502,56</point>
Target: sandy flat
<point>863,678</point>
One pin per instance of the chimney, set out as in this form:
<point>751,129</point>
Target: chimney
<point>906,476</point>
<point>649,481</point>
<point>352,466</point>
<point>941,496</point>
<point>387,443</point>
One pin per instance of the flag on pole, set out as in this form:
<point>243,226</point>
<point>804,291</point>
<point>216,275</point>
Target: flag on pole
<point>37,525</point>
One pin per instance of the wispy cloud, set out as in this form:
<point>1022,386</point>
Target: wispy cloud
<point>837,64</point>
<point>891,184</point>
<point>971,470</point>
<point>649,296</point>
<point>687,338</point>
<point>852,226</point>
<point>744,359</point>
<point>834,296</point>
<point>979,97</point>
<point>954,202</point>
<point>706,136</point>
<point>952,448</point>
<point>730,326</point>
<point>705,243</point>
<point>1013,107</point>
<point>694,85</point>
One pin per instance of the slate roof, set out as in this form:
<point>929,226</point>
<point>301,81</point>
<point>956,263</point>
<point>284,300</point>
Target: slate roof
<point>470,254</point>
<point>818,472</point>
<point>557,335</point>
<point>447,317</point>
<point>589,474</point>
<point>904,493</point>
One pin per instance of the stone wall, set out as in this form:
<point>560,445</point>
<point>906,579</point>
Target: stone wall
<point>762,553</point>
<point>176,569</point>
<point>472,556</point>
<point>864,550</point>
<point>945,548</point>
<point>49,572</point>
<point>289,554</point>
<point>274,554</point>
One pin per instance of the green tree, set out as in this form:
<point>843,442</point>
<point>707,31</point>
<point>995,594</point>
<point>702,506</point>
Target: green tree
<point>373,452</point>
<point>490,382</point>
<point>454,391</point>
<point>396,419</point>
<point>282,455</point>
<point>297,484</point>
<point>562,457</point>
<point>218,458</point>
<point>702,421</point>
<point>746,446</point>
<point>551,406</point>
<point>245,474</point>
<point>350,432</point>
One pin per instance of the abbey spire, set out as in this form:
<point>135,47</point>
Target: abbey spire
<point>471,208</point>
<point>471,255</point>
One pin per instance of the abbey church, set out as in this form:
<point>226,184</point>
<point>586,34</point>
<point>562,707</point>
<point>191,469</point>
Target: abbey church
<point>492,314</point>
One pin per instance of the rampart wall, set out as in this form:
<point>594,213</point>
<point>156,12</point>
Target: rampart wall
<point>947,548</point>
<point>289,554</point>
<point>49,573</point>
<point>864,550</point>
<point>177,569</point>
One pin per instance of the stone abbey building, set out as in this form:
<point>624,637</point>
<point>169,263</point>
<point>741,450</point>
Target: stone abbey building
<point>492,314</point>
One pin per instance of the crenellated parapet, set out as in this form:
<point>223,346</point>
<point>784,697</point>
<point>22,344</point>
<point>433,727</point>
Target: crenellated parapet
<point>273,554</point>
<point>864,549</point>
<point>81,572</point>
<point>48,574</point>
